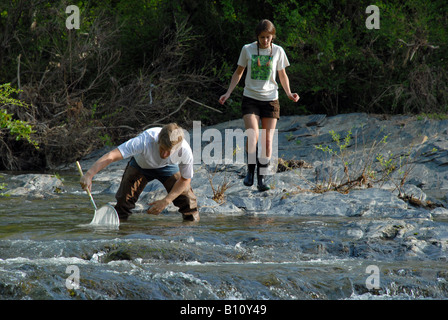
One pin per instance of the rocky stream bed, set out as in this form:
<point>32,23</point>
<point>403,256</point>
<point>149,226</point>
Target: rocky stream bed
<point>303,239</point>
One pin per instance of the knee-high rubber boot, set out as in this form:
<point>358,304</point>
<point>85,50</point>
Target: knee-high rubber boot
<point>261,184</point>
<point>249,179</point>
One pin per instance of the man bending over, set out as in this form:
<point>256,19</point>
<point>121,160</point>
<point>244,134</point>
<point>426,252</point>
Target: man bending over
<point>157,153</point>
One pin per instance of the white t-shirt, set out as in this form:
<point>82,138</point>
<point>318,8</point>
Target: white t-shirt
<point>260,81</point>
<point>145,150</point>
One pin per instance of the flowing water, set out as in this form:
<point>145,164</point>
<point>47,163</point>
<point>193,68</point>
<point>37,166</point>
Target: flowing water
<point>48,251</point>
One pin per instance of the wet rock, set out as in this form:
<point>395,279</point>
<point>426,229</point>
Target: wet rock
<point>35,185</point>
<point>382,219</point>
<point>251,204</point>
<point>117,255</point>
<point>210,206</point>
<point>355,233</point>
<point>439,212</point>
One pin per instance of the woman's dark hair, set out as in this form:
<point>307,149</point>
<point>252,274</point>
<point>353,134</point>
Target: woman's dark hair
<point>265,25</point>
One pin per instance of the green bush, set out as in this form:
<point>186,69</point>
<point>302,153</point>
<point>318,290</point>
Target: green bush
<point>100,76</point>
<point>341,66</point>
<point>18,128</point>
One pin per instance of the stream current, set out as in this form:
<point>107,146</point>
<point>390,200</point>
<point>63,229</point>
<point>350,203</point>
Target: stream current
<point>49,251</point>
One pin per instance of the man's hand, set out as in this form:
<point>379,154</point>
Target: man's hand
<point>157,206</point>
<point>86,182</point>
<point>100,164</point>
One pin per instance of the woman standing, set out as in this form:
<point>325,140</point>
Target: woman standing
<point>263,59</point>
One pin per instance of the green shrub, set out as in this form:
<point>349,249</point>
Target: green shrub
<point>18,128</point>
<point>101,75</point>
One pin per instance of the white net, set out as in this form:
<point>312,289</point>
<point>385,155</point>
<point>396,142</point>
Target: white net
<point>106,216</point>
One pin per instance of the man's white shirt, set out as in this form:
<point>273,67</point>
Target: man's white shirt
<point>145,150</point>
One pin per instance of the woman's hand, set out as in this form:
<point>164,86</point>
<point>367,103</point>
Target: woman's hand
<point>224,98</point>
<point>294,97</point>
<point>284,80</point>
<point>235,79</point>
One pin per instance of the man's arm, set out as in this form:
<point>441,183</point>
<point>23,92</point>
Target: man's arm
<point>178,188</point>
<point>100,164</point>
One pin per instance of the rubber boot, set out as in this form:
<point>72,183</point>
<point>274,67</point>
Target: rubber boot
<point>261,184</point>
<point>249,179</point>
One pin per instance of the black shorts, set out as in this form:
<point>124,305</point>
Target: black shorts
<point>263,109</point>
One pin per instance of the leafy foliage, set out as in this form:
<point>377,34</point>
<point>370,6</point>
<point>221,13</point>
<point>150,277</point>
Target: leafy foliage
<point>133,62</point>
<point>18,128</point>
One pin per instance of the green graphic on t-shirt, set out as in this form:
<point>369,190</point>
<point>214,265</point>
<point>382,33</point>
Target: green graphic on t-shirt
<point>262,72</point>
